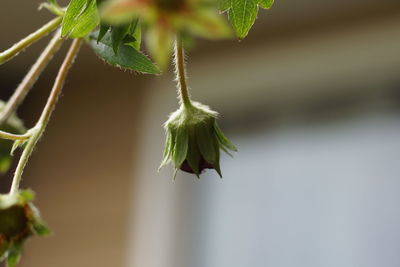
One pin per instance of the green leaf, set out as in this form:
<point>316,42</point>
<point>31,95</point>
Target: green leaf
<point>87,21</point>
<point>204,136</point>
<point>181,146</point>
<point>118,34</point>
<point>71,16</point>
<point>103,30</point>
<point>127,57</point>
<point>243,13</point>
<point>80,18</point>
<point>223,140</point>
<point>136,33</point>
<point>193,156</point>
<point>169,145</point>
<point>216,165</point>
<point>266,4</point>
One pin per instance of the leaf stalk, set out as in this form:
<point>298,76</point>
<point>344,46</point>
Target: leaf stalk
<point>30,39</point>
<point>14,137</point>
<point>30,78</point>
<point>38,130</point>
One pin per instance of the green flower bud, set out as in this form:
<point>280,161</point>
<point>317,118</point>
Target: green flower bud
<point>19,220</point>
<point>194,140</point>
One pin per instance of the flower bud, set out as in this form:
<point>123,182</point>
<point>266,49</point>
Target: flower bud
<point>19,220</point>
<point>194,140</point>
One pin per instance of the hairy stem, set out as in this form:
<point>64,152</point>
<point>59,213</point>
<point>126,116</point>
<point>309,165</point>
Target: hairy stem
<point>30,78</point>
<point>15,137</point>
<point>181,73</point>
<point>30,39</point>
<point>59,82</point>
<point>39,128</point>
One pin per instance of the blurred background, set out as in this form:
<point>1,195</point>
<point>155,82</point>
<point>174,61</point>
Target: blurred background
<point>312,100</point>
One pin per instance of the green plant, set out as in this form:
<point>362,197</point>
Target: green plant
<point>114,30</point>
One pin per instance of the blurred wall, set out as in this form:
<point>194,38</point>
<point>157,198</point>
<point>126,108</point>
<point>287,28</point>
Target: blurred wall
<point>316,80</point>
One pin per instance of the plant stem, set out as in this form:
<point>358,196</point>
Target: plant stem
<point>53,8</point>
<point>30,78</point>
<point>181,73</point>
<point>59,82</point>
<point>15,137</point>
<point>30,39</point>
<point>39,128</point>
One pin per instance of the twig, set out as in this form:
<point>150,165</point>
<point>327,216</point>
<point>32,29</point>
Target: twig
<point>30,39</point>
<point>30,78</point>
<point>39,128</point>
<point>15,137</point>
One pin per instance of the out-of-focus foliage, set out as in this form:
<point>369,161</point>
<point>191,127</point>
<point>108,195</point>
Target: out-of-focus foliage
<point>164,20</point>
<point>19,220</point>
<point>82,17</point>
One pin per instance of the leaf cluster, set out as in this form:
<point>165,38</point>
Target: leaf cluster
<point>119,48</point>
<point>82,18</point>
<point>118,45</point>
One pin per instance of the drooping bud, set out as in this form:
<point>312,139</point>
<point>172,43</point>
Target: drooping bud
<point>19,220</point>
<point>194,140</point>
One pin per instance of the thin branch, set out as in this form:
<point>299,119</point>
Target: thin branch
<point>60,79</point>
<point>30,39</point>
<point>40,126</point>
<point>30,78</point>
<point>14,137</point>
